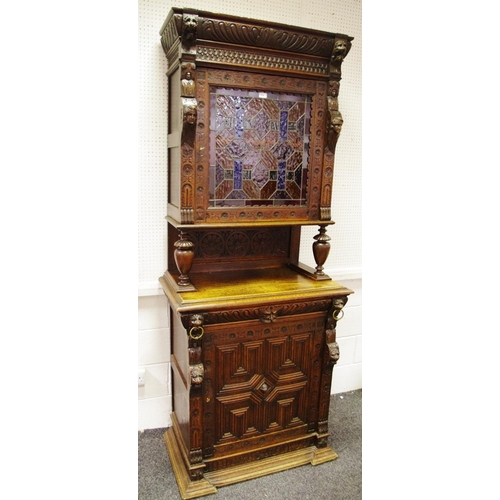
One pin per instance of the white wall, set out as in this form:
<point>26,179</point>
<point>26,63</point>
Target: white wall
<point>344,262</point>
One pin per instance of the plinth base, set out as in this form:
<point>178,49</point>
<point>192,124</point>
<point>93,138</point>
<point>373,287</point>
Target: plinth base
<point>211,480</point>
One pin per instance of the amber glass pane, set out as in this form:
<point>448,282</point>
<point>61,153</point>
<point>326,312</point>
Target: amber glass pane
<point>259,145</point>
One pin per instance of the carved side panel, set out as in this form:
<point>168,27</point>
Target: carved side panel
<point>196,374</point>
<point>333,123</point>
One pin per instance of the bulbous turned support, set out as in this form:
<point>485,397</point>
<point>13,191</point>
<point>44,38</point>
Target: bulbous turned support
<point>321,249</point>
<point>184,257</point>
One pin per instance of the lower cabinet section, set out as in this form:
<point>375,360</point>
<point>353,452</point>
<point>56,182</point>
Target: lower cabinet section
<point>251,387</point>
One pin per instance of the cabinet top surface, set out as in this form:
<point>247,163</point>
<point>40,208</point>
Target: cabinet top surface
<point>251,286</point>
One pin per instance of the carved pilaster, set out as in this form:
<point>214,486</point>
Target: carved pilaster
<point>336,314</point>
<point>331,356</point>
<point>333,123</point>
<point>197,374</point>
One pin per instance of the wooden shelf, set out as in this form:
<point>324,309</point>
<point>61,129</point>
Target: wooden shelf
<point>222,225</point>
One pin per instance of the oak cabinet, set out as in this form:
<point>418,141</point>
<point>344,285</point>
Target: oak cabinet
<point>253,125</point>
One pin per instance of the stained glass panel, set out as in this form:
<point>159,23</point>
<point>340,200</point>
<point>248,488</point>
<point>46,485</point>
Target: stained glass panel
<point>259,148</point>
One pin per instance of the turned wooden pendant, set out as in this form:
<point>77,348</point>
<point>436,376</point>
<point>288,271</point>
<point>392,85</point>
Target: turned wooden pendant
<point>184,257</point>
<point>321,249</point>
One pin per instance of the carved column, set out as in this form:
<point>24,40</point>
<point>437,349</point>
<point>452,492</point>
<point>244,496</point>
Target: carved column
<point>330,358</point>
<point>321,249</point>
<point>184,257</point>
<point>196,372</point>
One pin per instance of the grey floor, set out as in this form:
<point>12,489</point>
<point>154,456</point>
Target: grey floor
<point>336,480</point>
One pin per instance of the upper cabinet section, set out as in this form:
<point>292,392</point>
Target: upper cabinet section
<point>253,119</point>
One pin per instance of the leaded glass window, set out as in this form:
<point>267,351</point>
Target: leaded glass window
<point>259,147</point>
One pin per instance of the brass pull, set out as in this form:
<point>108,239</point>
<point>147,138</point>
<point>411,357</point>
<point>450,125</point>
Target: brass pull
<point>264,387</point>
<point>338,316</point>
<point>196,337</point>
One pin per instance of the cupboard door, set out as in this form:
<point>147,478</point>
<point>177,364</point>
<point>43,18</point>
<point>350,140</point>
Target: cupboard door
<point>263,382</point>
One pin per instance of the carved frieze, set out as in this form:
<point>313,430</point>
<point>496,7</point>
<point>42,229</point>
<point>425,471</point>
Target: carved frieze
<point>217,244</point>
<point>244,58</point>
<point>269,313</point>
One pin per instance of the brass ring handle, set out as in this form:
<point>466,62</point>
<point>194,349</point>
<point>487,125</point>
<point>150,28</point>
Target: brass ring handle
<point>338,316</point>
<point>196,337</point>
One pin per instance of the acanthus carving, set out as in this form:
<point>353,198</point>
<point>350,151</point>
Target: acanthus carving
<point>267,37</point>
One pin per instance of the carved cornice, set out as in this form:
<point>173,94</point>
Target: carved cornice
<point>255,34</point>
<point>232,30</point>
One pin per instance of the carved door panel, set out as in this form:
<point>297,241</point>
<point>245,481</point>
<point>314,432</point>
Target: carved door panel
<point>267,382</point>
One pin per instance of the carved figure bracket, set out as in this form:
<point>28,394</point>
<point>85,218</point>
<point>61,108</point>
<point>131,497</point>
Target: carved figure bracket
<point>189,29</point>
<point>196,368</point>
<point>341,47</point>
<point>336,313</point>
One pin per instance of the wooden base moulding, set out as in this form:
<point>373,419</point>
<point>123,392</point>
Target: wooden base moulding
<point>231,475</point>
